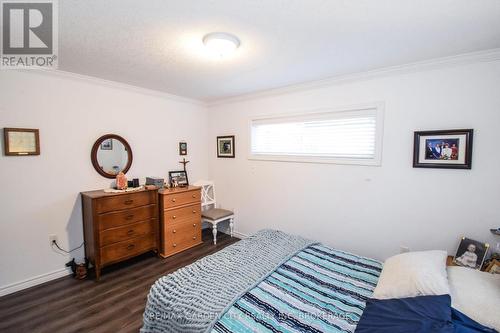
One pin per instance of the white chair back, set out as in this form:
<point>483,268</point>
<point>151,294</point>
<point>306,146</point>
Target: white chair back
<point>207,194</point>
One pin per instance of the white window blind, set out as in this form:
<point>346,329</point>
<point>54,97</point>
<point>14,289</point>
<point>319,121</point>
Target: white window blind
<point>348,136</point>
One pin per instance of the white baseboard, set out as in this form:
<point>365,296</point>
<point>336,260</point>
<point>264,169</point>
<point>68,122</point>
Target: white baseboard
<point>36,280</point>
<point>235,233</point>
<point>225,230</point>
<point>239,234</point>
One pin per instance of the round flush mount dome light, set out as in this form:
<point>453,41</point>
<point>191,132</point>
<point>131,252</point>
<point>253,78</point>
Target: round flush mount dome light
<point>221,43</point>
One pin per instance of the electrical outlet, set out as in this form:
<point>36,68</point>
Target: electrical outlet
<point>52,239</point>
<point>404,249</point>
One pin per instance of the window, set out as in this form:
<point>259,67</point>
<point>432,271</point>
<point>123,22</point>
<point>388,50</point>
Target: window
<point>350,136</point>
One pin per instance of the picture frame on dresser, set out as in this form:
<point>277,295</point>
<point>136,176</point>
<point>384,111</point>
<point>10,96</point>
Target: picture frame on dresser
<point>179,178</point>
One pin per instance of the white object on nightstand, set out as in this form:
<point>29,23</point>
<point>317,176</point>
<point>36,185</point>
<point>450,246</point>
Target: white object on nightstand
<point>210,213</point>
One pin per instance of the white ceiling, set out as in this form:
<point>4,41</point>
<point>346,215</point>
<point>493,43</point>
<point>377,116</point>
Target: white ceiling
<point>156,44</point>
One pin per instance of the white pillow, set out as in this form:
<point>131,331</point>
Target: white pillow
<point>413,274</point>
<point>476,294</point>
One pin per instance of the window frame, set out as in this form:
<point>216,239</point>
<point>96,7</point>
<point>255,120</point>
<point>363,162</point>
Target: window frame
<point>379,108</point>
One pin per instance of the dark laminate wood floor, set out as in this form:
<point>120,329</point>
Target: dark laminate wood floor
<point>114,304</point>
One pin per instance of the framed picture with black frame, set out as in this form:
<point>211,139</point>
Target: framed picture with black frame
<point>178,178</point>
<point>182,148</point>
<point>471,253</point>
<point>225,146</point>
<point>445,149</point>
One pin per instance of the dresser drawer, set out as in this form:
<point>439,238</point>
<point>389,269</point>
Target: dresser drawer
<point>125,201</point>
<point>172,200</point>
<point>120,218</point>
<point>182,214</point>
<point>119,234</point>
<point>181,236</point>
<point>127,248</point>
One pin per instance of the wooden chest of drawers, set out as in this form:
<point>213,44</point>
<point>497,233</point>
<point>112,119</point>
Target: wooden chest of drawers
<point>119,226</point>
<point>180,219</point>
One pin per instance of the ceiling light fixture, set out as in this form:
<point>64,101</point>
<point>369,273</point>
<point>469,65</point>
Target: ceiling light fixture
<point>221,43</point>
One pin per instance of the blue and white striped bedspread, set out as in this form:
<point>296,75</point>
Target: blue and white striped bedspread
<point>318,290</point>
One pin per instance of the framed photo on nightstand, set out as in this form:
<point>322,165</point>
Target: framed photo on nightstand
<point>471,253</point>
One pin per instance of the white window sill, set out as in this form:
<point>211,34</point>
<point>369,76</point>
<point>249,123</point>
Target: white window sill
<point>317,160</point>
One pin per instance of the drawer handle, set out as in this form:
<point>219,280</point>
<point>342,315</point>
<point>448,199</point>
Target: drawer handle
<point>174,231</point>
<point>130,247</point>
<point>194,224</point>
<point>173,200</point>
<point>194,195</point>
<point>130,232</point>
<point>129,217</point>
<point>175,245</point>
<point>194,237</point>
<point>128,202</point>
<point>194,212</point>
<point>174,217</point>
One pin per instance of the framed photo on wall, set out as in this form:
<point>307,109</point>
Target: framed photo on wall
<point>183,148</point>
<point>225,146</point>
<point>471,253</point>
<point>21,141</point>
<point>107,144</point>
<point>447,149</point>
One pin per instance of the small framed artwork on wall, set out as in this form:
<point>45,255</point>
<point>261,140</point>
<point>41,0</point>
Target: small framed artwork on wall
<point>107,144</point>
<point>21,141</point>
<point>225,146</point>
<point>183,146</point>
<point>446,149</point>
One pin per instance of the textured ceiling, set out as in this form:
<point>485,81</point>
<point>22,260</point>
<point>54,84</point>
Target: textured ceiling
<point>156,44</point>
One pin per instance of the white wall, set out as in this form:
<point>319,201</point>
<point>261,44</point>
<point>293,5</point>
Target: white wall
<point>40,194</point>
<point>373,210</point>
<point>367,210</point>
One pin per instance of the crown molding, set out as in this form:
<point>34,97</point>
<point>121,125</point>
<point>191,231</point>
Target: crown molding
<point>437,63</point>
<point>114,84</point>
<point>432,64</point>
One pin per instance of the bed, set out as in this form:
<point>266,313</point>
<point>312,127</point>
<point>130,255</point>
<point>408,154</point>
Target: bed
<point>276,282</point>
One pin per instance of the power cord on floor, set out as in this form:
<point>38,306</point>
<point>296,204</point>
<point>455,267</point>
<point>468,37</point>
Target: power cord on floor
<point>54,242</point>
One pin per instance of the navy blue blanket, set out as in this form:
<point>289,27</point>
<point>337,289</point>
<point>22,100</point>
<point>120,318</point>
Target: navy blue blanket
<point>422,314</point>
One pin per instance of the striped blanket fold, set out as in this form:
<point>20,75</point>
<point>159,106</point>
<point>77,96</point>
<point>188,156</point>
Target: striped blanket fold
<point>318,290</point>
<point>191,299</point>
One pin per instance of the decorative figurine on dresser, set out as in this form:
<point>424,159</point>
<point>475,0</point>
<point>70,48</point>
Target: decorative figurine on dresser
<point>180,219</point>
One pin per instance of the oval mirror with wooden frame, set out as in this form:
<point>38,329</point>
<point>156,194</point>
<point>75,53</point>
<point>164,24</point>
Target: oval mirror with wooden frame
<point>111,154</point>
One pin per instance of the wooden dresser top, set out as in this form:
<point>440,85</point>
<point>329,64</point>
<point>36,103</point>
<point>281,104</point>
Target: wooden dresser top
<point>101,194</point>
<point>166,191</point>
